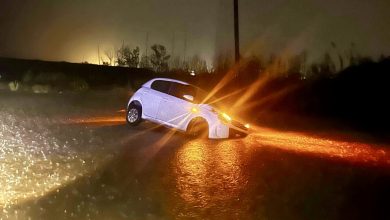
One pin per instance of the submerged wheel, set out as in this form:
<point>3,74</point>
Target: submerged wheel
<point>198,129</point>
<point>133,116</point>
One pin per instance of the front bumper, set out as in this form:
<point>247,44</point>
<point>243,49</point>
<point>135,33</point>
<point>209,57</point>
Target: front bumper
<point>237,129</point>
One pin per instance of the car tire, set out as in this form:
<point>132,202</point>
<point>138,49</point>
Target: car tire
<point>198,128</point>
<point>133,116</point>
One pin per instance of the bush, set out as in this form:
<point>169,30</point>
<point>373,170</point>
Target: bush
<point>79,85</point>
<point>28,77</point>
<point>14,85</point>
<point>50,78</point>
<point>38,88</point>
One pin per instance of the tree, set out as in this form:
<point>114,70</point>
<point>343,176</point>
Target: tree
<point>297,64</point>
<point>198,65</point>
<point>223,61</point>
<point>327,65</point>
<point>338,55</point>
<point>159,58</point>
<point>275,65</point>
<point>252,68</point>
<point>110,56</point>
<point>122,54</point>
<point>176,64</point>
<point>134,58</point>
<point>128,57</point>
<point>352,55</point>
<point>144,63</point>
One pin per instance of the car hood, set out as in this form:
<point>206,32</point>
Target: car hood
<point>206,106</point>
<point>210,107</point>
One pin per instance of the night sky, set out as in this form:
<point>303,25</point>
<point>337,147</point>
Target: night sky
<point>73,30</point>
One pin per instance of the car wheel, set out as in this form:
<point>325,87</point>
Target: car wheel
<point>198,129</point>
<point>133,116</point>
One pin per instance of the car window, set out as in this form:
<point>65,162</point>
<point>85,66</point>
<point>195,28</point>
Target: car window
<point>200,96</point>
<point>161,86</point>
<point>179,90</point>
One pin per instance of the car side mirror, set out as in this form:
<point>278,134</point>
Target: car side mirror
<point>189,97</point>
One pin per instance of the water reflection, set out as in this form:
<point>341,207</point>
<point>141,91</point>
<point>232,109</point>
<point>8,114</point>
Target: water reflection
<point>209,175</point>
<point>348,151</point>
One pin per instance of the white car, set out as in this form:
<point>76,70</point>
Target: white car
<point>182,106</point>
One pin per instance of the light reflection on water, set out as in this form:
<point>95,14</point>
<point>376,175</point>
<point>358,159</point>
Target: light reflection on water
<point>209,174</point>
<point>348,151</point>
<point>36,161</point>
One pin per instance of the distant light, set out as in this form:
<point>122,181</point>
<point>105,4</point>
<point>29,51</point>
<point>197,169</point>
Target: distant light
<point>192,73</point>
<point>194,110</point>
<point>247,126</point>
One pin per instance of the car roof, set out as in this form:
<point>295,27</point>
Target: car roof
<point>149,83</point>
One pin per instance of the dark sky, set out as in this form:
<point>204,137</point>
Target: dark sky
<point>72,30</point>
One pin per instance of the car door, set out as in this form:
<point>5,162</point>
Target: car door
<point>175,109</point>
<point>152,97</point>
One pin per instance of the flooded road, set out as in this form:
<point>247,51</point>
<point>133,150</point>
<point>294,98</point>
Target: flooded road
<point>96,167</point>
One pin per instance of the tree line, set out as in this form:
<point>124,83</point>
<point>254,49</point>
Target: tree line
<point>331,62</point>
<point>159,60</point>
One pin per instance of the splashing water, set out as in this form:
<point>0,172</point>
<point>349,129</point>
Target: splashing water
<point>33,161</point>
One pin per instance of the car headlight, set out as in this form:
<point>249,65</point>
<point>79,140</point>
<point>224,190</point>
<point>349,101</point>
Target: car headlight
<point>223,116</point>
<point>226,117</point>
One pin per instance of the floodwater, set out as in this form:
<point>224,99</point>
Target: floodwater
<point>78,163</point>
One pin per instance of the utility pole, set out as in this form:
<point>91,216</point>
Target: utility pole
<point>236,32</point>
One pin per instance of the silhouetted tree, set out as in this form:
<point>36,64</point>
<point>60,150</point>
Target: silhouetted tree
<point>122,54</point>
<point>197,64</point>
<point>382,57</point>
<point>341,60</point>
<point>252,68</point>
<point>338,55</point>
<point>364,59</point>
<point>128,57</point>
<point>352,55</point>
<point>315,70</point>
<point>176,63</point>
<point>134,58</point>
<point>276,66</point>
<point>145,62</point>
<point>159,58</point>
<point>223,61</point>
<point>297,64</point>
<point>110,56</point>
<point>327,65</point>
